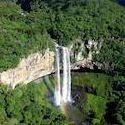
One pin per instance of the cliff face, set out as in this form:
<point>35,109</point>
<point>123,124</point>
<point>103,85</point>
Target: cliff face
<point>38,65</point>
<point>83,55</point>
<point>31,68</point>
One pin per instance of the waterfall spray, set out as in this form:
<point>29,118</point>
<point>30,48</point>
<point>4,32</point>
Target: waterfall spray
<point>69,76</point>
<point>66,76</point>
<point>63,93</point>
<point>57,93</point>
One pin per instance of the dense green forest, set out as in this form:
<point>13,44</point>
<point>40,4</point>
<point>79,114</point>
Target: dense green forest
<point>28,105</point>
<point>21,35</point>
<point>104,103</point>
<point>29,26</point>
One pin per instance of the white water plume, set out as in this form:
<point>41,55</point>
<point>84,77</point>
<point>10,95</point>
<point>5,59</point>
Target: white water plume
<point>63,93</point>
<point>58,88</point>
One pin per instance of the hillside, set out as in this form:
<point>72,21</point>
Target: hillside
<point>23,33</point>
<point>29,28</point>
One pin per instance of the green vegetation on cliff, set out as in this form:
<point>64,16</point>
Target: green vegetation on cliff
<point>112,56</point>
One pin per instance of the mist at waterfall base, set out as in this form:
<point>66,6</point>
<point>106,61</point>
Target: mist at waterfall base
<point>63,89</point>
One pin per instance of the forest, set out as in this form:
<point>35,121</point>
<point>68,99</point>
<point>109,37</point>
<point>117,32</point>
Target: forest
<point>29,26</point>
<point>28,105</point>
<point>24,27</point>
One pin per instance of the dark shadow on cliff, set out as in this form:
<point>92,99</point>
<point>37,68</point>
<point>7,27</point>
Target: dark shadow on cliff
<point>81,69</point>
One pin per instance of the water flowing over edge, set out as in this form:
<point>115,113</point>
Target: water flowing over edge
<point>63,92</point>
<point>57,93</point>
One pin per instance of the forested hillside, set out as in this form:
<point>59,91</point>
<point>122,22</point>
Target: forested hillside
<point>21,34</point>
<point>30,25</point>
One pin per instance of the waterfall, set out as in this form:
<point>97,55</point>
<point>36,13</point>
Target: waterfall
<point>58,88</point>
<point>66,93</point>
<point>69,76</point>
<point>65,76</point>
<point>63,93</point>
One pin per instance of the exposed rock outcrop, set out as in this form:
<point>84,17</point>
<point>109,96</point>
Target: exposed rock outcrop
<point>83,55</point>
<point>31,68</point>
<point>38,65</point>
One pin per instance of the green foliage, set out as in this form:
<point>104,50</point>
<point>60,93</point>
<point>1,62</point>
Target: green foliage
<point>99,82</point>
<point>105,103</point>
<point>116,103</point>
<point>62,20</point>
<point>112,56</point>
<point>94,104</point>
<point>88,19</point>
<point>97,105</point>
<point>21,35</point>
<point>27,105</point>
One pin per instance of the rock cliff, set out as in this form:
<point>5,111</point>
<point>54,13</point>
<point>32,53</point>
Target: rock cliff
<point>38,65</point>
<point>31,68</point>
<point>83,52</point>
